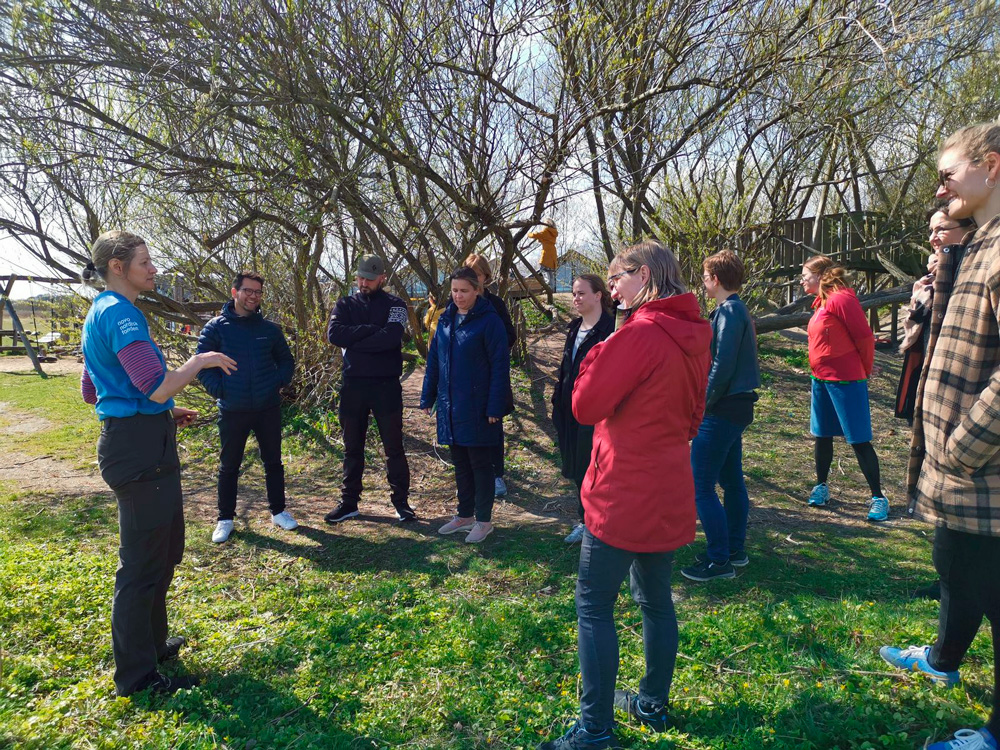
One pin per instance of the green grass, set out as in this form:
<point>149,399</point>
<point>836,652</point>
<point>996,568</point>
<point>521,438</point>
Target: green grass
<point>71,430</point>
<point>324,639</point>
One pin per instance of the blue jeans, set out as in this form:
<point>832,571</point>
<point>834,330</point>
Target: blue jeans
<point>602,570</point>
<point>717,458</point>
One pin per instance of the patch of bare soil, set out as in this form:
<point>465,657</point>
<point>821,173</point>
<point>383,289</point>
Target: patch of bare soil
<point>47,474</point>
<point>777,461</point>
<point>63,366</point>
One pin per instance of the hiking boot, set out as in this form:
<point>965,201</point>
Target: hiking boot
<point>578,738</point>
<point>968,739</point>
<point>457,524</point>
<point>656,718</point>
<point>931,591</point>
<point>405,514</point>
<point>171,647</point>
<point>708,570</point>
<point>499,487</point>
<point>914,659</point>
<point>820,495</point>
<point>160,683</point>
<point>737,559</point>
<point>480,531</point>
<point>576,535</point>
<point>341,513</point>
<point>879,510</point>
<point>284,520</point>
<point>222,531</point>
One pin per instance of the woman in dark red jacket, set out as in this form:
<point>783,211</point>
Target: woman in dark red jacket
<point>643,389</point>
<point>841,357</point>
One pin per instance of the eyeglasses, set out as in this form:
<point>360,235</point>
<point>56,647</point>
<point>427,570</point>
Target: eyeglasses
<point>942,230</point>
<point>944,175</point>
<point>615,277</point>
<point>251,292</point>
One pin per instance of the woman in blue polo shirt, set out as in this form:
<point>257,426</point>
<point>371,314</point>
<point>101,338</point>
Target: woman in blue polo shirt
<point>126,378</point>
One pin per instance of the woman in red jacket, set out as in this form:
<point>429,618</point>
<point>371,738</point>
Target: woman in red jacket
<point>643,389</point>
<point>841,356</point>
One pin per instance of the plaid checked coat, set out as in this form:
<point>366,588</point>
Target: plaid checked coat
<point>953,477</point>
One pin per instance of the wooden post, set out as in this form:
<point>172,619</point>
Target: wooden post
<point>24,338</point>
<point>895,324</point>
<point>6,295</point>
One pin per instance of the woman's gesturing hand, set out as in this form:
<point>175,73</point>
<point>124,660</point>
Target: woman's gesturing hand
<point>216,359</point>
<point>184,417</point>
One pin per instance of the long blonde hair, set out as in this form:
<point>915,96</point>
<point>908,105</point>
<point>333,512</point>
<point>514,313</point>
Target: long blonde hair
<point>665,278</point>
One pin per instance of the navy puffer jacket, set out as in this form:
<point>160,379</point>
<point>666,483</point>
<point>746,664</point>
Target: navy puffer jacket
<point>468,376</point>
<point>263,360</point>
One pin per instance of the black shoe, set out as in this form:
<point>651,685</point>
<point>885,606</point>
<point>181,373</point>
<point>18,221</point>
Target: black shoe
<point>406,514</point>
<point>160,683</point>
<point>578,738</point>
<point>708,570</point>
<point>341,513</point>
<point>737,560</point>
<point>933,591</point>
<point>656,719</point>
<point>171,647</point>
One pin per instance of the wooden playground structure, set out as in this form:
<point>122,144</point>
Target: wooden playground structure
<point>22,341</point>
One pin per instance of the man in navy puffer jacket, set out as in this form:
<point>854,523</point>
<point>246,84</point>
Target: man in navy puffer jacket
<point>249,399</point>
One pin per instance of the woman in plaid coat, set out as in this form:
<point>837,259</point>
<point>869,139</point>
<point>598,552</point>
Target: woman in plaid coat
<point>954,471</point>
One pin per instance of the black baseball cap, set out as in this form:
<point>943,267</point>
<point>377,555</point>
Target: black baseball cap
<point>371,267</point>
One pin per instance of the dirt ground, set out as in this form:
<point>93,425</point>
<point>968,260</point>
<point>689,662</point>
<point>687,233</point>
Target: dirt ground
<point>313,481</point>
<point>777,459</point>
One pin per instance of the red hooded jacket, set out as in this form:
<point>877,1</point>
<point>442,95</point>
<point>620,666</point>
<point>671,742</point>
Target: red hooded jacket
<point>841,343</point>
<point>644,390</point>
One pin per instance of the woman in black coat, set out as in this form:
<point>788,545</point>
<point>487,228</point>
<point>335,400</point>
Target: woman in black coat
<point>593,301</point>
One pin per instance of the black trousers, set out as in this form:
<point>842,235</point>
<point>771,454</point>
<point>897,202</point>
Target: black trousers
<point>474,480</point>
<point>383,398</point>
<point>234,429</point>
<point>138,459</point>
<point>496,456</point>
<point>970,590</point>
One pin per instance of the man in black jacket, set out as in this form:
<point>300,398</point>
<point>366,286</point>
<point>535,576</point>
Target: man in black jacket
<point>368,327</point>
<point>248,398</point>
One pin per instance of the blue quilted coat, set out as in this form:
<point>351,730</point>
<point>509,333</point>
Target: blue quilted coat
<point>264,362</point>
<point>468,376</point>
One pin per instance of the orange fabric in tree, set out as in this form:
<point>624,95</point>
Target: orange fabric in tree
<point>547,237</point>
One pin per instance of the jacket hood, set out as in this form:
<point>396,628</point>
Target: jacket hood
<point>680,318</point>
<point>482,307</point>
<point>229,311</point>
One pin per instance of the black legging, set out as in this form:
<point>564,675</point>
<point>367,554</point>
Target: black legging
<point>867,460</point>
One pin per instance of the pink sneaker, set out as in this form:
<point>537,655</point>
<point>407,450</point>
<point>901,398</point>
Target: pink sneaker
<point>479,532</point>
<point>457,524</point>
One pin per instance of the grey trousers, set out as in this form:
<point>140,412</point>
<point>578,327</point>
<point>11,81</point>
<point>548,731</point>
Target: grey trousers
<point>138,459</point>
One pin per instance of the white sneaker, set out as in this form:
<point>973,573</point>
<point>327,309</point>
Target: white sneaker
<point>499,487</point>
<point>576,535</point>
<point>222,531</point>
<point>285,521</point>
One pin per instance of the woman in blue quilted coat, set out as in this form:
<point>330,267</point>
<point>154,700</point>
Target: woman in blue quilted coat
<point>468,380</point>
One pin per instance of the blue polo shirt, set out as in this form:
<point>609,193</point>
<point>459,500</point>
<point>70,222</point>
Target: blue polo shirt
<point>112,324</point>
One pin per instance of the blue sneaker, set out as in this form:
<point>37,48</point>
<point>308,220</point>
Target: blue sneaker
<point>914,659</point>
<point>879,510</point>
<point>968,739</point>
<point>820,495</point>
<point>578,738</point>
